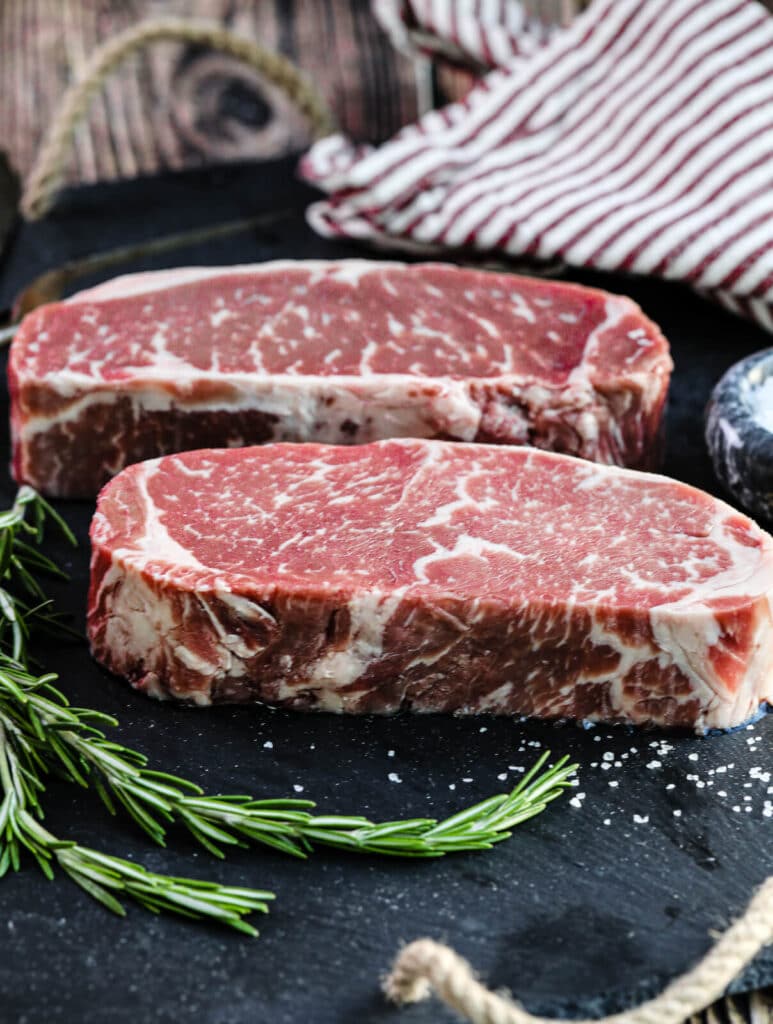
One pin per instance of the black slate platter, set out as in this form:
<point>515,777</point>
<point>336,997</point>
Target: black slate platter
<point>589,908</point>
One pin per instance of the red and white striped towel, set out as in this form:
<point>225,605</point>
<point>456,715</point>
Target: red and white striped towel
<point>480,33</point>
<point>638,138</point>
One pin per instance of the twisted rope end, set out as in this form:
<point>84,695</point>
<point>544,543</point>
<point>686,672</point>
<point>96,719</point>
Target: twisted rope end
<point>407,982</point>
<point>426,965</point>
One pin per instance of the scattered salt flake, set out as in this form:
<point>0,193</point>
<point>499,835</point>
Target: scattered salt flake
<point>390,753</point>
<point>607,821</point>
<point>608,755</point>
<point>268,745</point>
<point>692,757</point>
<point>641,819</point>
<point>767,809</point>
<point>721,792</point>
<point>452,785</point>
<point>677,813</point>
<point>297,788</point>
<point>466,780</point>
<point>483,728</point>
<point>605,766</point>
<point>576,801</point>
<point>736,808</point>
<point>671,785</point>
<point>700,784</point>
<point>394,777</point>
<point>722,769</point>
<point>502,776</point>
<point>654,764</point>
<point>614,783</point>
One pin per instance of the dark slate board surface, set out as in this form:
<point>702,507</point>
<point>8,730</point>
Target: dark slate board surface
<point>586,909</point>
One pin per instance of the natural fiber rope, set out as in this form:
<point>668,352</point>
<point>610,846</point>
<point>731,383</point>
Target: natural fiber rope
<point>46,173</point>
<point>426,965</point>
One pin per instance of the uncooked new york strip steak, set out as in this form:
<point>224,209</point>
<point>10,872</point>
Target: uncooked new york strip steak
<point>338,352</point>
<point>432,576</point>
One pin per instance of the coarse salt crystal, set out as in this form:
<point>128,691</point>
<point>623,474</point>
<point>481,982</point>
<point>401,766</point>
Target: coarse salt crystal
<point>394,777</point>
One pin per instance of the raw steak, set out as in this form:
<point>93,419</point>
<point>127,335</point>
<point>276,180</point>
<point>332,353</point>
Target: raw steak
<point>335,352</point>
<point>433,576</point>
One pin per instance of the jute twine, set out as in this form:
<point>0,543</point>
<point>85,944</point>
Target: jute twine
<point>425,965</point>
<point>46,174</point>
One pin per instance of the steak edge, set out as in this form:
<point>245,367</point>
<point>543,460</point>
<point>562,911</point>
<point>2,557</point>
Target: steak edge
<point>433,576</point>
<point>340,352</point>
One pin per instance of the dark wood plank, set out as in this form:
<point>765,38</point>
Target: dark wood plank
<point>175,106</point>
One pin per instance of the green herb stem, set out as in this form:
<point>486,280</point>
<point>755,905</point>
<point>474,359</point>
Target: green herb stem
<point>40,733</point>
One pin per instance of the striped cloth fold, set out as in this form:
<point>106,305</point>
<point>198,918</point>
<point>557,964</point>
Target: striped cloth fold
<point>639,138</point>
<point>479,33</point>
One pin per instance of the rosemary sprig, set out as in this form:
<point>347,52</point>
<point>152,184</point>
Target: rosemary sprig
<point>101,875</point>
<point>69,741</point>
<point>41,733</point>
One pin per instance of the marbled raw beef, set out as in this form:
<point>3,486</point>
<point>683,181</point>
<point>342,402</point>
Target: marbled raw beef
<point>435,576</point>
<point>338,352</point>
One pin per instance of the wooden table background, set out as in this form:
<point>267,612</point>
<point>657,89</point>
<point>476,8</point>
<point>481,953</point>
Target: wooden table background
<point>176,106</point>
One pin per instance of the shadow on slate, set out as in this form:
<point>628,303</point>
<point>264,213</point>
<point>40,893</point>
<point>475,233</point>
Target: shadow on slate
<point>587,909</point>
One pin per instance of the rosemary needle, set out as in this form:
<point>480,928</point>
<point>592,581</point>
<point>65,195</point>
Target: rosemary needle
<point>41,733</point>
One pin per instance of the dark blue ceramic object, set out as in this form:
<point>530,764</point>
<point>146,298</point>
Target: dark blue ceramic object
<point>739,432</point>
